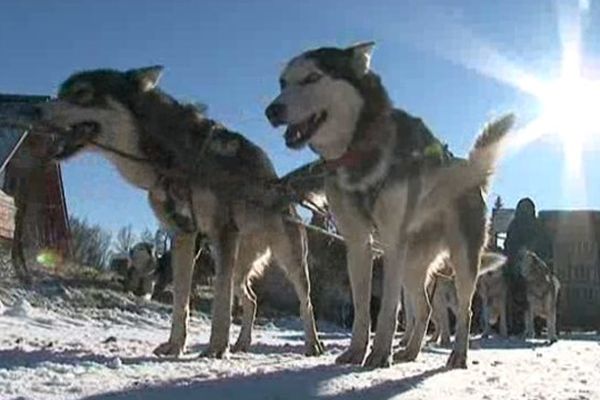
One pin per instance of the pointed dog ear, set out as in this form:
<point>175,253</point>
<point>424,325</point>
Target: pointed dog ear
<point>147,78</point>
<point>361,56</point>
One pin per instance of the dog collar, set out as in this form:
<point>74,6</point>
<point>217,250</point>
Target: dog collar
<point>351,159</point>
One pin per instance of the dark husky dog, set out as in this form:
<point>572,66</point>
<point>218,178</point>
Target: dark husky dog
<point>542,292</point>
<point>200,177</point>
<point>391,176</point>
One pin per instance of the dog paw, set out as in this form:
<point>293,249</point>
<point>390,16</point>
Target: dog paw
<point>169,349</point>
<point>457,360</point>
<point>528,335</point>
<point>351,356</point>
<point>241,346</point>
<point>219,352</point>
<point>404,341</point>
<point>404,355</point>
<point>379,359</point>
<point>315,349</point>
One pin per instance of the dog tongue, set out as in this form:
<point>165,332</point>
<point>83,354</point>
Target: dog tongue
<point>295,133</point>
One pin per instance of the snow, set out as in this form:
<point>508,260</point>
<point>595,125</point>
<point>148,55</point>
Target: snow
<point>67,343</point>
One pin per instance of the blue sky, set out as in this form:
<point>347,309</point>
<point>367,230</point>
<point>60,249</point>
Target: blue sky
<point>228,54</point>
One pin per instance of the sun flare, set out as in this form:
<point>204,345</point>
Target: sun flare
<point>571,111</point>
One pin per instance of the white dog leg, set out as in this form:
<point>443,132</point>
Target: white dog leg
<point>227,252</point>
<point>183,268</point>
<point>290,250</point>
<point>360,271</point>
<point>466,278</point>
<point>393,265</point>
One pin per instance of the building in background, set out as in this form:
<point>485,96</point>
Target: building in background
<point>575,239</point>
<point>39,186</point>
<point>574,258</point>
<point>501,219</point>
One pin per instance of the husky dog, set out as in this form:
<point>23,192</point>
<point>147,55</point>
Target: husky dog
<point>542,293</point>
<point>391,176</point>
<point>200,177</point>
<point>492,289</point>
<point>141,270</point>
<point>444,297</point>
<point>442,294</point>
<point>149,274</point>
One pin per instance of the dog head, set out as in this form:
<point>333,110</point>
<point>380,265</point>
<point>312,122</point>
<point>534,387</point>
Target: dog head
<point>531,265</point>
<point>94,105</point>
<point>141,269</point>
<point>140,255</point>
<point>320,99</point>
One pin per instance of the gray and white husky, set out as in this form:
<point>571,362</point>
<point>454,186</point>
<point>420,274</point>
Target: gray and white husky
<point>542,293</point>
<point>200,177</point>
<point>389,176</point>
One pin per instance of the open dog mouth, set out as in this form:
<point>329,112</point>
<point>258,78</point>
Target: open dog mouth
<point>66,141</point>
<point>297,135</point>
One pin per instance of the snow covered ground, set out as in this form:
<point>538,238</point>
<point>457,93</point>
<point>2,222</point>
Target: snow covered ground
<point>59,343</point>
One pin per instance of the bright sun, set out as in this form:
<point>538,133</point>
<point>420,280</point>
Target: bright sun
<point>571,110</point>
<point>569,106</point>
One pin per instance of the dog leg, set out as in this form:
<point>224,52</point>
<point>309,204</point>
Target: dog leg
<point>551,321</point>
<point>436,316</point>
<point>360,273</point>
<point>485,317</point>
<point>393,265</point>
<point>243,288</point>
<point>227,251</point>
<point>409,319</point>
<point>416,270</point>
<point>435,335</point>
<point>529,321</point>
<point>503,317</point>
<point>246,294</point>
<point>290,249</point>
<point>466,278</point>
<point>445,328</point>
<point>183,268</point>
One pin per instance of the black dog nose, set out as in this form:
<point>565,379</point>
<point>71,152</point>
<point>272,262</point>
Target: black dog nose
<point>276,114</point>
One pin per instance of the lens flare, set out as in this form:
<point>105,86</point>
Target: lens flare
<point>49,258</point>
<point>569,113</point>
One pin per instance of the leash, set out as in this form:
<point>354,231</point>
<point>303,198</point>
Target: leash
<point>269,184</point>
<point>120,153</point>
<point>306,203</point>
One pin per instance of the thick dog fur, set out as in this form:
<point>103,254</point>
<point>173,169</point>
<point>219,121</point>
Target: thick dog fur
<point>542,296</point>
<point>493,289</point>
<point>542,293</point>
<point>391,177</point>
<point>443,296</point>
<point>149,274</point>
<point>200,177</point>
<point>141,270</point>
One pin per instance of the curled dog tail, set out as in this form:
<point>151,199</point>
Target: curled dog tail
<point>451,182</point>
<point>486,150</point>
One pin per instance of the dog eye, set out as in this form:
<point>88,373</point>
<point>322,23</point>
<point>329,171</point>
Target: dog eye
<point>311,78</point>
<point>282,84</point>
<point>83,95</point>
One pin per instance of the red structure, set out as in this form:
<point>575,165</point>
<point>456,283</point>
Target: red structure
<point>46,217</point>
<point>37,189</point>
